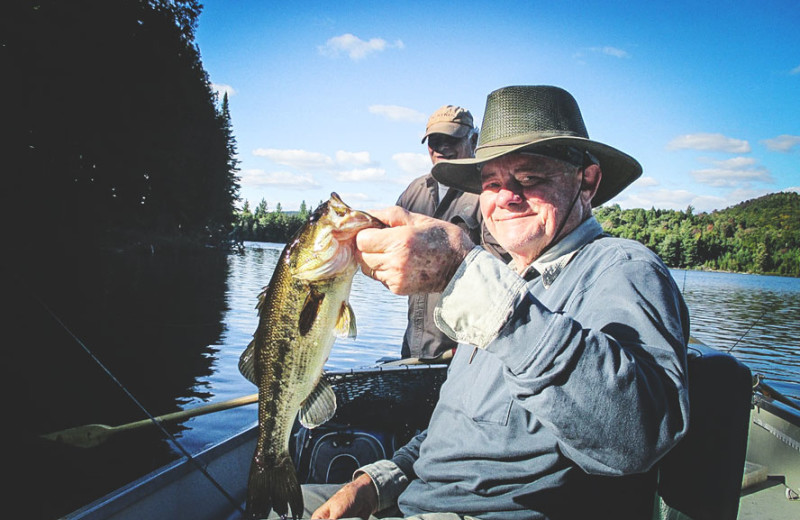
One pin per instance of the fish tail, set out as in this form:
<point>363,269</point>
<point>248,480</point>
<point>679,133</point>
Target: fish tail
<point>273,487</point>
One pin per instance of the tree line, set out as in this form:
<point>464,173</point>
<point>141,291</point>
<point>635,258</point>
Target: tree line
<point>263,225</point>
<point>757,236</point>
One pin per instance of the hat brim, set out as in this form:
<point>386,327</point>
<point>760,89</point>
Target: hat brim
<point>619,169</point>
<point>451,129</point>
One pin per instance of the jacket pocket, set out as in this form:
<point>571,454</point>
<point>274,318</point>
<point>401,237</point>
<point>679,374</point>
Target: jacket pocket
<point>487,399</point>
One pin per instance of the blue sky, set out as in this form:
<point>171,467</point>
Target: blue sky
<point>334,96</point>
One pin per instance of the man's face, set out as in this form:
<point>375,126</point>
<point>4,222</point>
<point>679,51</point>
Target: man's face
<point>525,198</point>
<point>443,146</point>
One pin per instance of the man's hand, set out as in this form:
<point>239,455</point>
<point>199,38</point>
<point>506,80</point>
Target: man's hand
<point>356,499</point>
<point>416,254</point>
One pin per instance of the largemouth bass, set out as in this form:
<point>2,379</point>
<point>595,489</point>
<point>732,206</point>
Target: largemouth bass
<point>301,311</point>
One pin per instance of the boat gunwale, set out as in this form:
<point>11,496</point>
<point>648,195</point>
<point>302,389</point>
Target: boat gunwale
<point>776,408</point>
<point>134,491</point>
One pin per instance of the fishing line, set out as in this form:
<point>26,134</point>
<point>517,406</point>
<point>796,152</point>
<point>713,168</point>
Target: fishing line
<point>152,418</point>
<point>748,330</point>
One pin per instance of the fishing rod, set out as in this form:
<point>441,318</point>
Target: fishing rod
<point>150,416</point>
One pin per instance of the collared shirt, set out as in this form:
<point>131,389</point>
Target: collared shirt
<point>577,390</point>
<point>479,325</point>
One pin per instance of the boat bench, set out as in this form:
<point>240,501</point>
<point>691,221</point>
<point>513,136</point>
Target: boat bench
<point>701,478</point>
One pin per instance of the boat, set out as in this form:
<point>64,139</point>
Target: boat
<point>741,457</point>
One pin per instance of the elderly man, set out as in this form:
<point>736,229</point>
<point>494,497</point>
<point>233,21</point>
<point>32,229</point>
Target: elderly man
<point>451,134</point>
<point>569,382</point>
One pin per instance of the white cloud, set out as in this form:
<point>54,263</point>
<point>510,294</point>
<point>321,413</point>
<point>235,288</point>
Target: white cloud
<point>670,199</point>
<point>360,197</point>
<point>362,174</point>
<point>711,142</point>
<point>646,182</point>
<point>221,89</point>
<point>795,189</point>
<point>398,113</point>
<point>355,47</point>
<point>734,172</point>
<point>661,199</point>
<point>795,71</point>
<point>414,164</point>
<point>734,163</point>
<point>612,51</point>
<point>782,143</point>
<point>259,178</point>
<point>295,158</point>
<point>356,158</point>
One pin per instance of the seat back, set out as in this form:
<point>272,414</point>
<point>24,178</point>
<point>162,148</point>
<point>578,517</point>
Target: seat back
<point>702,476</point>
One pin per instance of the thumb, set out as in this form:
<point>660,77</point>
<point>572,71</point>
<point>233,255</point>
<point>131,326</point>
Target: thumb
<point>393,216</point>
<point>322,512</point>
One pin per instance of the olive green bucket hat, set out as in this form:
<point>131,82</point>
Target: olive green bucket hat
<point>537,119</point>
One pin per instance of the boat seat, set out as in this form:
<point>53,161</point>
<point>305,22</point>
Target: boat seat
<point>701,478</point>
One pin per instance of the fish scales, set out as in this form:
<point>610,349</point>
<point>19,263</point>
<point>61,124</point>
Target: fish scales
<point>300,312</point>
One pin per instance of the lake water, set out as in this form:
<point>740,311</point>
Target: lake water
<point>170,328</point>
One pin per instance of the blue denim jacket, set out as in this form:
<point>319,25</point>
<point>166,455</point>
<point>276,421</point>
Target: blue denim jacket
<point>564,392</point>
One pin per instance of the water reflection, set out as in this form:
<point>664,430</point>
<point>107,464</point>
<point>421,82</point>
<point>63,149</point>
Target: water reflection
<point>152,320</point>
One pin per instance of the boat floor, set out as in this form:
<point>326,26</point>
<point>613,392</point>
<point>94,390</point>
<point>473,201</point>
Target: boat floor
<point>768,501</point>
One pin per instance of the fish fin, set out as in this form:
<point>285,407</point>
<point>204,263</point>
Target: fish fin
<point>273,487</point>
<point>320,406</point>
<point>247,364</point>
<point>310,310</point>
<point>346,324</point>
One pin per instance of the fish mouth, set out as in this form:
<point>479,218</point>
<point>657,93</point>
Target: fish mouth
<point>333,247</point>
<point>347,222</point>
<point>354,222</point>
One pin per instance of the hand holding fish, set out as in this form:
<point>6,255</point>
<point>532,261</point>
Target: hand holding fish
<point>416,254</point>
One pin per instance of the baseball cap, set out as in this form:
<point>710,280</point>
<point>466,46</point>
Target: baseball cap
<point>451,120</point>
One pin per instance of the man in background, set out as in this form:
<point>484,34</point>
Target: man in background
<point>451,134</point>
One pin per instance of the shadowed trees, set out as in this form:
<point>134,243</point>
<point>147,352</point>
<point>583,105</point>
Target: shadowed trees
<point>118,138</point>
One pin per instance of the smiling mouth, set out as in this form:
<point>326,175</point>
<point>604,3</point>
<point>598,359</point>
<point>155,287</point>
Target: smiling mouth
<point>513,216</point>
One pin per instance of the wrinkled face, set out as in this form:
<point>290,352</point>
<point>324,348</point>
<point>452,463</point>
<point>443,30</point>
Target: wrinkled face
<point>447,147</point>
<point>525,198</point>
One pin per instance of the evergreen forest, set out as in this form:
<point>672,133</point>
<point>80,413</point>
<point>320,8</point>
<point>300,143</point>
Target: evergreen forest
<point>117,139</point>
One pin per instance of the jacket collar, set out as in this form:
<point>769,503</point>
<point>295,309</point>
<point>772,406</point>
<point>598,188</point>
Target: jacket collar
<point>553,261</point>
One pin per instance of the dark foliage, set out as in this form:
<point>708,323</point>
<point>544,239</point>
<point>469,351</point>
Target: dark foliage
<point>756,236</point>
<point>117,137</point>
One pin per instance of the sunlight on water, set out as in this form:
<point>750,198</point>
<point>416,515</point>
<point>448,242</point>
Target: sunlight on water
<point>755,316</point>
<point>380,320</point>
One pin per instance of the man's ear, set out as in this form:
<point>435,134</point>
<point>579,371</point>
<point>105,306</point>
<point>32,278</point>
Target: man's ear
<point>592,175</point>
<point>474,140</point>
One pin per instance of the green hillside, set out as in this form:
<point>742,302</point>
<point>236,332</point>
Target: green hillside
<point>756,236</point>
